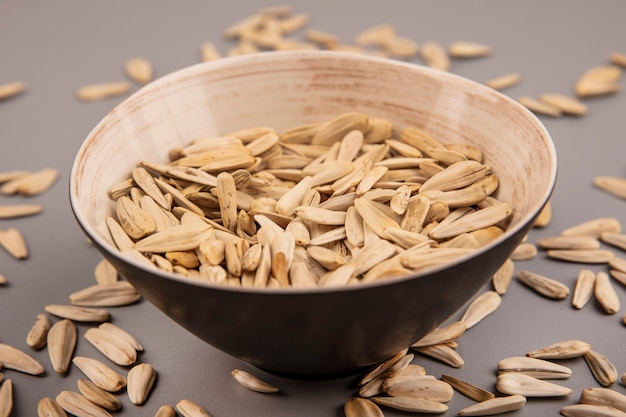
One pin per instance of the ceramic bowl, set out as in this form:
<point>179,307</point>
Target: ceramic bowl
<point>322,331</point>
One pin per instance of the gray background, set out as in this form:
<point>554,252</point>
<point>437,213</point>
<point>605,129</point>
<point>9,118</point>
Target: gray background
<point>55,47</point>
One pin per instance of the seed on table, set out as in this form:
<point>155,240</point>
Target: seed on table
<point>13,358</point>
<point>401,47</point>
<point>100,374</point>
<point>524,251</point>
<point>165,411</point>
<point>547,287</point>
<point>540,107</point>
<point>411,405</point>
<point>430,389</point>
<point>61,344</point>
<point>361,407</point>
<point>561,350</point>
<point>469,390</point>
<point>38,333</point>
<point>435,56</point>
<point>583,291</point>
<point>614,239</point>
<point>495,406</point>
<point>377,35</point>
<point>468,49</point>
<point>13,242</point>
<point>590,410</point>
<point>32,183</point>
<point>118,293</point>
<point>481,307</point>
<point>251,382</point>
<point>115,348</point>
<point>601,367</point>
<point>586,256</point>
<point>382,367</point>
<point>140,381</point>
<point>48,407</point>
<point>567,104</point>
<point>612,185</point>
<point>598,80</point>
<point>538,368</point>
<point>443,335</point>
<point>76,313</point>
<point>442,353</point>
<point>545,216</point>
<point>618,264</point>
<point>594,227</point>
<point>3,279</point>
<point>517,383</point>
<point>12,89</point>
<point>100,91</point>
<point>119,332</point>
<point>605,293</point>
<point>504,81</point>
<point>569,242</point>
<point>603,396</point>
<point>76,404</point>
<point>105,272</point>
<point>6,398</point>
<point>618,58</point>
<point>139,70</point>
<point>503,277</point>
<point>98,396</point>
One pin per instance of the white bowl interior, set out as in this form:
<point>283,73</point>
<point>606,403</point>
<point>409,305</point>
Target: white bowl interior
<point>286,89</point>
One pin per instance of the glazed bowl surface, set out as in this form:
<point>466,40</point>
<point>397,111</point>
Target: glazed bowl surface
<point>320,331</point>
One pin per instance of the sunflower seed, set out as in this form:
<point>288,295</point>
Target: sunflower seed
<point>361,407</point>
<point>382,367</point>
<point>545,216</point>
<point>468,49</point>
<point>524,251</point>
<point>76,404</point>
<point>48,407</point>
<point>61,344</point>
<point>569,242</point>
<point>209,52</point>
<point>504,81</point>
<point>539,107</point>
<point>435,56</point>
<point>547,287</point>
<point>618,264</point>
<point>118,293</point>
<point>3,279</point>
<point>13,242</point>
<point>612,185</point>
<point>6,398</point>
<point>252,382</point>
<point>594,227</point>
<point>481,307</point>
<point>100,374</point>
<point>517,383</point>
<point>401,47</point>
<point>20,210</point>
<point>538,368</point>
<point>617,240</point>
<point>38,333</point>
<point>561,350</point>
<point>587,256</point>
<point>458,175</point>
<point>567,104</point>
<point>98,396</point>
<point>412,405</point>
<point>503,277</point>
<point>430,389</point>
<point>189,408</point>
<point>591,410</point>
<point>470,391</point>
<point>100,91</point>
<point>479,219</point>
<point>601,367</point>
<point>603,396</point>
<point>452,331</point>
<point>605,293</point>
<point>178,238</point>
<point>583,291</point>
<point>12,89</point>
<point>117,349</point>
<point>139,70</point>
<point>13,358</point>
<point>377,35</point>
<point>599,80</point>
<point>443,353</point>
<point>76,313</point>
<point>495,406</point>
<point>133,219</point>
<point>141,379</point>
<point>119,332</point>
<point>337,128</point>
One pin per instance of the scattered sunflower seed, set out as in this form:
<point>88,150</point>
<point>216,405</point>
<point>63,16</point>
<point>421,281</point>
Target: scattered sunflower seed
<point>98,396</point>
<point>517,383</point>
<point>612,185</point>
<point>12,89</point>
<point>94,92</point>
<point>36,337</point>
<point>469,390</point>
<point>601,367</point>
<point>78,405</point>
<point>591,410</point>
<point>494,406</point>
<point>189,408</point>
<point>140,381</point>
<point>547,287</point>
<point>361,407</point>
<point>61,343</point>
<point>48,407</point>
<point>139,70</point>
<point>252,382</point>
<point>13,358</point>
<point>100,374</point>
<point>561,350</point>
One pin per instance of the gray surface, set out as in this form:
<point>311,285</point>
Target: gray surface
<point>56,47</point>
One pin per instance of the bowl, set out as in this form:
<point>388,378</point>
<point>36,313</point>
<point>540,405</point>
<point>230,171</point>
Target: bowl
<point>320,331</point>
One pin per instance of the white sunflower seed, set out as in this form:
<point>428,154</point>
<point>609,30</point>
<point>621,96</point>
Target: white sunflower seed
<point>495,406</point>
<point>61,344</point>
<point>452,331</point>
<point>517,383</point>
<point>567,104</point>
<point>13,358</point>
<point>524,251</point>
<point>19,210</point>
<point>605,293</point>
<point>612,185</point>
<point>569,242</point>
<point>435,56</point>
<point>586,256</point>
<point>540,107</point>
<point>443,353</point>
<point>469,390</point>
<point>100,374</point>
<point>591,410</point>
<point>538,368</point>
<point>411,405</point>
<point>594,227</point>
<point>37,336</point>
<point>141,379</point>
<point>561,350</point>
<point>583,291</point>
<point>504,81</point>
<point>118,350</point>
<point>361,407</point>
<point>119,332</point>
<point>382,367</point>
<point>603,396</point>
<point>503,277</point>
<point>48,407</point>
<point>6,398</point>
<point>13,242</point>
<point>100,91</point>
<point>430,389</point>
<point>189,408</point>
<point>118,293</point>
<point>166,411</point>
<point>601,367</point>
<point>252,382</point>
<point>98,396</point>
<point>139,70</point>
<point>481,307</point>
<point>11,89</point>
<point>76,313</point>
<point>547,287</point>
<point>78,405</point>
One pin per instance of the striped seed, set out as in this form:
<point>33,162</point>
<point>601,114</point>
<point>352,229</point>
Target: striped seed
<point>442,353</point>
<point>98,396</point>
<point>495,406</point>
<point>469,390</point>
<point>361,407</point>
<point>119,332</point>
<point>591,410</point>
<point>503,277</point>
<point>586,256</point>
<point>430,389</point>
<point>446,334</point>
<point>13,358</point>
<point>583,291</point>
<point>512,383</point>
<point>594,227</point>
<point>76,313</point>
<point>78,405</point>
<point>547,287</point>
<point>114,294</point>
<point>38,333</point>
<point>561,350</point>
<point>537,368</point>
<point>251,382</point>
<point>411,405</point>
<point>569,242</point>
<point>605,294</point>
<point>617,240</point>
<point>603,396</point>
<point>524,251</point>
<point>117,349</point>
<point>48,407</point>
<point>100,374</point>
<point>61,344</point>
<point>601,367</point>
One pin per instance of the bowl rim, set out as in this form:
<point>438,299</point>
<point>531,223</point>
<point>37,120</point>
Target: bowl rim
<point>250,59</point>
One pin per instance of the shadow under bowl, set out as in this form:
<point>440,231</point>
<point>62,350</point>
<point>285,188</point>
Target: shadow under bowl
<point>324,331</point>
